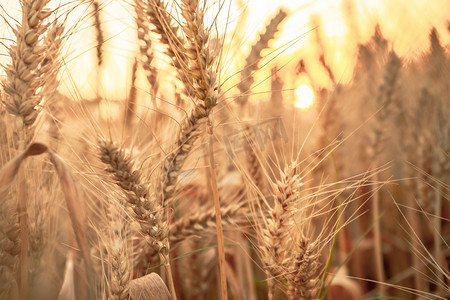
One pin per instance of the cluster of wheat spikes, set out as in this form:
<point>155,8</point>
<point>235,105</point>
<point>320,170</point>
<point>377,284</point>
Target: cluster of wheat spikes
<point>204,193</point>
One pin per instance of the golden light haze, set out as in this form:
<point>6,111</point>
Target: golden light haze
<point>339,25</point>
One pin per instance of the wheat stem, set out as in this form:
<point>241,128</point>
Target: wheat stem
<point>23,223</point>
<point>220,241</point>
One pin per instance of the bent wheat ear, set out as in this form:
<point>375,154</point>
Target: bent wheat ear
<point>149,213</point>
<point>9,170</point>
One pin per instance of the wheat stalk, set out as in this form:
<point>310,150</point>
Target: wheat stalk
<point>130,104</point>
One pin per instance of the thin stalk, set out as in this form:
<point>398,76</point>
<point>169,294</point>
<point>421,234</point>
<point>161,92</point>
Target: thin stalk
<point>377,239</point>
<point>414,218</point>
<point>249,277</point>
<point>437,239</point>
<point>339,223</point>
<point>169,276</point>
<point>23,224</point>
<point>215,193</point>
<point>23,219</point>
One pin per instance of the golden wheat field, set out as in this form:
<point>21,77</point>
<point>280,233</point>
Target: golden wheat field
<point>227,149</point>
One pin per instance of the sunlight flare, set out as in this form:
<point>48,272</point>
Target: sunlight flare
<point>305,96</point>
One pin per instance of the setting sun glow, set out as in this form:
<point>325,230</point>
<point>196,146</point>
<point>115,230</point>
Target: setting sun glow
<point>305,96</point>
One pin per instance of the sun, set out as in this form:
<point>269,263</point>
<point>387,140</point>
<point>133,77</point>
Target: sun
<point>305,96</point>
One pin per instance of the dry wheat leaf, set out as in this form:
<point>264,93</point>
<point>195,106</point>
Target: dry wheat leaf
<point>73,192</point>
<point>149,287</point>
<point>74,195</point>
<point>9,171</point>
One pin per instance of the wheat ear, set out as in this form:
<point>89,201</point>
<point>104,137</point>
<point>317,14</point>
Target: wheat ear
<point>145,48</point>
<point>188,132</point>
<point>302,280</point>
<point>275,236</point>
<point>169,33</point>
<point>253,163</point>
<point>9,251</point>
<point>165,27</point>
<point>251,62</point>
<point>24,74</point>
<point>118,246</point>
<point>202,77</point>
<point>148,212</point>
<point>24,77</point>
<point>121,273</point>
<point>99,31</point>
<point>199,67</point>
